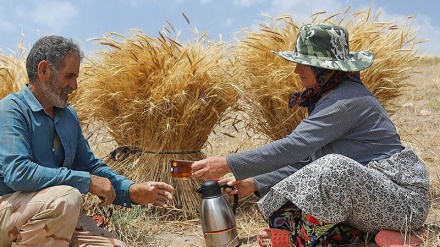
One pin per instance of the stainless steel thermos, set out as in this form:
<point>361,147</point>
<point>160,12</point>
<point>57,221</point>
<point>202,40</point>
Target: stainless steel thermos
<point>217,217</point>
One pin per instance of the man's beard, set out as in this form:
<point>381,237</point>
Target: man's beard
<point>53,93</point>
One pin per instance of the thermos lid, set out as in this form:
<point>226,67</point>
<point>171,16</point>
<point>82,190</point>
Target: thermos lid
<point>210,188</point>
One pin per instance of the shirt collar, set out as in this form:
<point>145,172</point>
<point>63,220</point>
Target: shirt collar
<point>33,102</point>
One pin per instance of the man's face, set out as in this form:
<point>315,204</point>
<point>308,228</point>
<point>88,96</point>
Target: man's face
<point>60,85</point>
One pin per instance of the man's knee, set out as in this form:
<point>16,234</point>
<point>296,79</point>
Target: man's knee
<point>65,198</point>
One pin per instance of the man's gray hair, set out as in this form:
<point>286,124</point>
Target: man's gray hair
<point>53,49</point>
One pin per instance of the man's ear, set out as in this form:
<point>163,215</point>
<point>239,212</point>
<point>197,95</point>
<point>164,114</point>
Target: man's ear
<point>44,71</point>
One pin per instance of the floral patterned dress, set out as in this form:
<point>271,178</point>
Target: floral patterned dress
<point>386,194</point>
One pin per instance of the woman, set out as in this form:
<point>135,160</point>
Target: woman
<point>342,168</point>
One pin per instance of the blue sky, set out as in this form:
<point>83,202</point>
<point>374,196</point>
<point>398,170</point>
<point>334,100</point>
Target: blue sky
<point>83,20</point>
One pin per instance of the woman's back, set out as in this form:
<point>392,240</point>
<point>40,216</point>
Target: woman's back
<point>354,124</point>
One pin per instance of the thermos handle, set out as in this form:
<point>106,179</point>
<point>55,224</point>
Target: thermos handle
<point>234,207</point>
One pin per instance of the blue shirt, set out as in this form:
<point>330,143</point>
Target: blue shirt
<point>30,162</point>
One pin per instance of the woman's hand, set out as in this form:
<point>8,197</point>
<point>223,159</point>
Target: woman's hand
<point>243,187</point>
<point>210,168</point>
<point>157,193</point>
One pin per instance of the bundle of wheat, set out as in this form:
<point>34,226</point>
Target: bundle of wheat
<point>12,74</point>
<point>394,47</point>
<point>269,80</point>
<point>160,100</point>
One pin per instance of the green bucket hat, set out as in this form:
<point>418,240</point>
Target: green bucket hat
<point>326,46</point>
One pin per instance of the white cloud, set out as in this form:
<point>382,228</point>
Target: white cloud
<point>246,3</point>
<point>302,10</point>
<point>132,3</point>
<point>429,32</point>
<point>205,1</point>
<point>4,24</point>
<point>229,21</point>
<point>55,15</point>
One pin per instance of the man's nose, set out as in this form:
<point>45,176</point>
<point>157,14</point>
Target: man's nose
<point>74,84</point>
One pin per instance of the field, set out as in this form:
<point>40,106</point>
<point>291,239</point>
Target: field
<point>417,121</point>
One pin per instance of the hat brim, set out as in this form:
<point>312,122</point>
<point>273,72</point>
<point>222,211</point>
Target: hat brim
<point>355,61</point>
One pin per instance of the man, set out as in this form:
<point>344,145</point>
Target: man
<point>46,163</point>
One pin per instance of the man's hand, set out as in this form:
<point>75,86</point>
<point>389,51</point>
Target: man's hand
<point>157,193</point>
<point>103,188</point>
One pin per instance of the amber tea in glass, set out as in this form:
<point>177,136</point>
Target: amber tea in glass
<point>181,169</point>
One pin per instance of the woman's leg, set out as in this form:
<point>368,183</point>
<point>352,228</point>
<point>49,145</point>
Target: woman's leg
<point>337,189</point>
<point>44,218</point>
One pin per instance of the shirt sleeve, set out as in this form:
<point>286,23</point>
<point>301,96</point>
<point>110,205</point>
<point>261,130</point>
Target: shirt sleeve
<point>329,121</point>
<point>85,160</point>
<point>265,181</point>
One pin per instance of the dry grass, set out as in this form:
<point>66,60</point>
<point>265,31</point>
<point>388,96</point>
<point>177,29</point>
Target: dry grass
<point>417,121</point>
<point>13,74</point>
<point>268,79</point>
